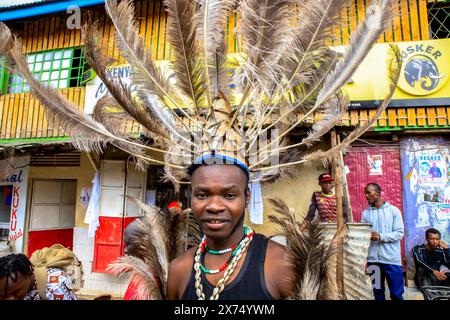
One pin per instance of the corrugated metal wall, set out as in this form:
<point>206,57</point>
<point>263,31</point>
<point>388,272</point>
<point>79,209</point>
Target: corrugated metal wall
<point>356,247</point>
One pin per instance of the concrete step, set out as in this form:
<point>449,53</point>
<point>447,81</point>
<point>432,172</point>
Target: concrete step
<point>412,294</point>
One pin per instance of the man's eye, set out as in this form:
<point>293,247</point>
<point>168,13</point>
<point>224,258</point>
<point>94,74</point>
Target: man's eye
<point>230,196</point>
<point>201,195</point>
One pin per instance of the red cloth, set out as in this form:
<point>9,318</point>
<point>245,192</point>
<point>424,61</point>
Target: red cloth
<point>174,204</point>
<point>131,292</point>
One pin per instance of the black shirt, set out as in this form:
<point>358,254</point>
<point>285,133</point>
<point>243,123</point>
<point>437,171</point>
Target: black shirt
<point>249,283</point>
<point>431,260</point>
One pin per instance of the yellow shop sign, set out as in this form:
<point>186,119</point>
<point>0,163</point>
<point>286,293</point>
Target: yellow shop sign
<point>423,77</point>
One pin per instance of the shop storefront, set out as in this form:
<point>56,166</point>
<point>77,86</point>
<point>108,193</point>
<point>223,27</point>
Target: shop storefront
<point>13,203</point>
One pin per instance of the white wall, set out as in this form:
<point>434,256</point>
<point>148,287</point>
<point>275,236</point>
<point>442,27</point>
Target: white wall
<point>95,283</point>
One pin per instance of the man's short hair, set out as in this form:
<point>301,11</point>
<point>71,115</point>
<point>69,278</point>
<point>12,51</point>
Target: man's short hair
<point>191,169</point>
<point>376,186</point>
<point>432,230</point>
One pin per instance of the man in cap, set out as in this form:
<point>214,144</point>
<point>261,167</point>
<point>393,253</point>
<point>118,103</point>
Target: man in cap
<point>324,201</point>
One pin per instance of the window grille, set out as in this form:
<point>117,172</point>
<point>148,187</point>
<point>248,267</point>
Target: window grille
<point>439,19</point>
<point>62,68</point>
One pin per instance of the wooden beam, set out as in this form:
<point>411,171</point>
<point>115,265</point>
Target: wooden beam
<point>346,198</point>
<point>337,174</point>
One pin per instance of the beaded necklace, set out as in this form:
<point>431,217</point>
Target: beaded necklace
<point>228,272</point>
<point>223,251</point>
<point>327,195</point>
<point>234,250</point>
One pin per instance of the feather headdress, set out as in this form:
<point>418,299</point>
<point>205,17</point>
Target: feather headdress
<point>218,108</point>
<point>284,73</point>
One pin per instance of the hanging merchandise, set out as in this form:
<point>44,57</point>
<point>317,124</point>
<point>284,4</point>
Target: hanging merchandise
<point>93,211</point>
<point>256,206</point>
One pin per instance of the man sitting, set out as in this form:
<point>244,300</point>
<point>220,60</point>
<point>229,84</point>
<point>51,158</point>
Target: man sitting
<point>429,259</point>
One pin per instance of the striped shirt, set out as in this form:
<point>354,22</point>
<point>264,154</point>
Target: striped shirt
<point>325,206</point>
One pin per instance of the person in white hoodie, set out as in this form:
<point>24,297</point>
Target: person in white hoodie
<point>384,257</point>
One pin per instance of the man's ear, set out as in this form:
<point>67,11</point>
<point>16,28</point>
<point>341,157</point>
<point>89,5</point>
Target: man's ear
<point>247,196</point>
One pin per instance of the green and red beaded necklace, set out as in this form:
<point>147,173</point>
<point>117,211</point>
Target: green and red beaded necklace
<point>234,249</point>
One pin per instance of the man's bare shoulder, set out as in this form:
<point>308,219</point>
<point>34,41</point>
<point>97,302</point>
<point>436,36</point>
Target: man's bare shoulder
<point>179,273</point>
<point>276,251</point>
<point>183,261</point>
<point>278,270</point>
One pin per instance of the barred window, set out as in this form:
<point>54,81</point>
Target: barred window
<point>439,19</point>
<point>2,73</point>
<point>61,68</point>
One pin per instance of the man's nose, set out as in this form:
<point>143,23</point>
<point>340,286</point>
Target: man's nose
<point>215,205</point>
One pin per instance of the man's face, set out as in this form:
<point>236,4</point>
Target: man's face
<point>219,198</point>
<point>433,240</point>
<point>371,194</point>
<point>327,187</point>
<point>15,290</point>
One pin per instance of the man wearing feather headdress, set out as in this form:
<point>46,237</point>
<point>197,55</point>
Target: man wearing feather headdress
<point>231,262</point>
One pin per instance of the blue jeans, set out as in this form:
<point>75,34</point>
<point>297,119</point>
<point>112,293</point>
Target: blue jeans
<point>394,276</point>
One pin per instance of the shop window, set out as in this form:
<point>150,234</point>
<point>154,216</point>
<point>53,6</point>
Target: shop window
<point>53,204</point>
<point>162,193</point>
<point>2,73</point>
<point>60,69</point>
<point>439,19</point>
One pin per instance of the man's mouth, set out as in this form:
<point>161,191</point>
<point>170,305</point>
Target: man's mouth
<point>215,223</point>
